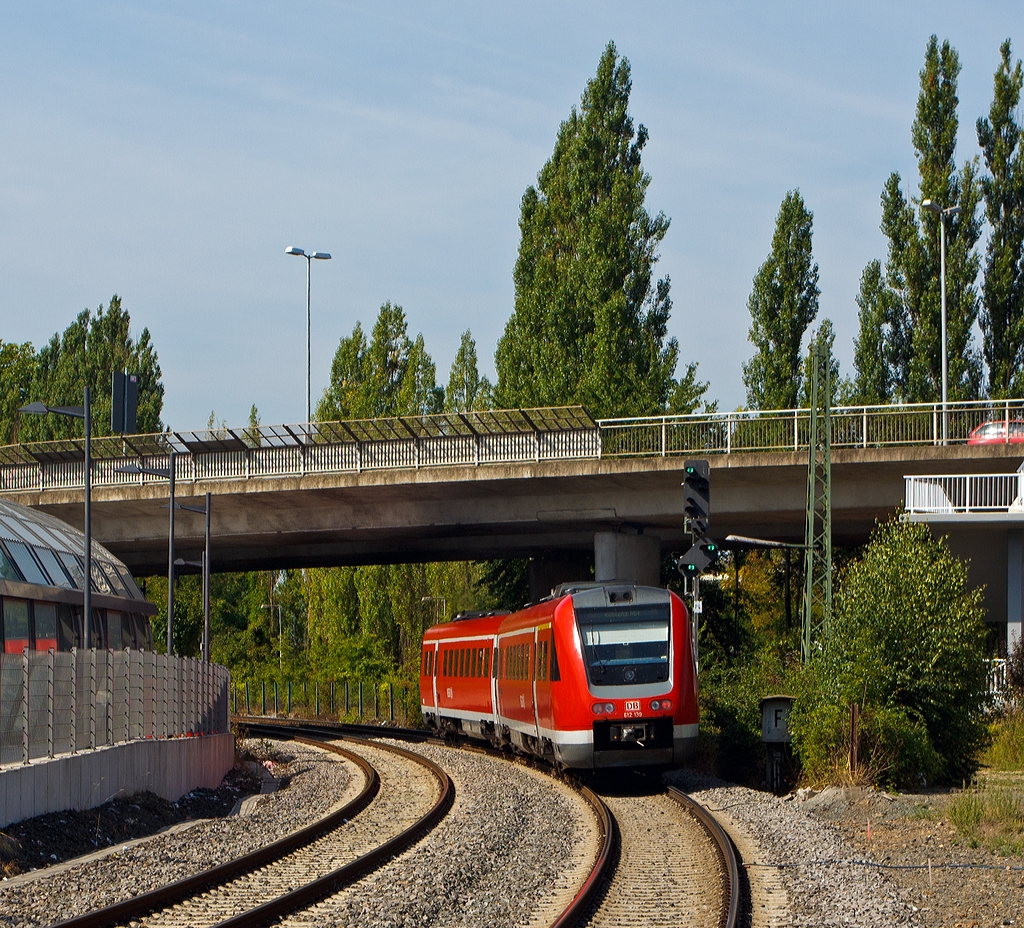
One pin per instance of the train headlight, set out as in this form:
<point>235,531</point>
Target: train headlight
<point>603,708</point>
<point>662,704</point>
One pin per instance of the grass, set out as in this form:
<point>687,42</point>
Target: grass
<point>1007,749</point>
<point>990,815</point>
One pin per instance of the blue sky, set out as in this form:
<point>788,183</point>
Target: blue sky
<point>169,152</point>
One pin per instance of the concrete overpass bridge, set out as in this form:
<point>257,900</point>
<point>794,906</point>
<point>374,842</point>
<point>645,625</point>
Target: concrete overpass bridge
<point>552,484</point>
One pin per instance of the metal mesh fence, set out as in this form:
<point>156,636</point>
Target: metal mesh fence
<point>57,703</point>
<point>341,700</point>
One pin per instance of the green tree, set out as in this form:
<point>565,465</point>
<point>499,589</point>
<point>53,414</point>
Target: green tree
<point>17,365</point>
<point>907,645</point>
<point>89,351</point>
<point>873,375</point>
<point>467,390</point>
<point>1002,312</point>
<point>782,304</point>
<point>913,265</point>
<point>589,326</point>
<point>389,376</point>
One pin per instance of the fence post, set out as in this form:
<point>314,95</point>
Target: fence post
<point>263,686</point>
<point>663,429</point>
<point>289,697</point>
<point>360,700</point>
<point>108,660</point>
<point>24,706</point>
<point>347,702</point>
<point>128,695</point>
<point>49,702</point>
<point>376,701</point>
<point>74,700</point>
<point>332,697</point>
<point>391,701</point>
<point>92,699</point>
<point>247,712</point>
<point>316,698</point>
<point>277,701</point>
<point>865,435</point>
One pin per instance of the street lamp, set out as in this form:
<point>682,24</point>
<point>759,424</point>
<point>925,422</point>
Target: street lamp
<point>79,412</point>
<point>319,256</point>
<point>943,214</point>
<point>168,474</point>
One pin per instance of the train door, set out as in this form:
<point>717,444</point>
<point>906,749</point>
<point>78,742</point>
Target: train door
<point>495,708</point>
<point>535,666</point>
<point>433,672</point>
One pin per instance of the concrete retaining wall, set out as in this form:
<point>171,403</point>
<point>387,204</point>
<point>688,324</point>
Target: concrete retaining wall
<point>169,768</point>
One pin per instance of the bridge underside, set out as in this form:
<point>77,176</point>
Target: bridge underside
<point>546,510</point>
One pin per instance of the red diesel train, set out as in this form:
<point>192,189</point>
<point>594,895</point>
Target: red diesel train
<point>597,675</point>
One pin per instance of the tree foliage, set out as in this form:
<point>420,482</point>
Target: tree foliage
<point>1002,312</point>
<point>17,365</point>
<point>391,375</point>
<point>590,324</point>
<point>873,369</point>
<point>907,645</point>
<point>912,273</point>
<point>782,304</point>
<point>467,390</point>
<point>93,347</point>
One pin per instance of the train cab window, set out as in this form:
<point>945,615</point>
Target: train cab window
<point>423,669</point>
<point>27,564</point>
<point>45,616</point>
<point>16,625</point>
<point>554,676</point>
<point>7,569</point>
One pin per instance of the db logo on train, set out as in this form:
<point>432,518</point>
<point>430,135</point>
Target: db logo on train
<point>632,707</point>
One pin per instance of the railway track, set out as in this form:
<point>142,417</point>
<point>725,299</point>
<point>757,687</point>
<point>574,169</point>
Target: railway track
<point>309,864</point>
<point>639,875</point>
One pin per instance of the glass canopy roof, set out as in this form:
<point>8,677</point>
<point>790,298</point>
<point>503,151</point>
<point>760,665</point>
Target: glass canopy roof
<point>38,548</point>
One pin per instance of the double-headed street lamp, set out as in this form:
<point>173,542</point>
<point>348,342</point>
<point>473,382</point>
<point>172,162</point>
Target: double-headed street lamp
<point>319,256</point>
<point>79,412</point>
<point>943,215</point>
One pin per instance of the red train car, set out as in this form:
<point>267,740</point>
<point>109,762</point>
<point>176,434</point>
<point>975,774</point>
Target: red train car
<point>597,675</point>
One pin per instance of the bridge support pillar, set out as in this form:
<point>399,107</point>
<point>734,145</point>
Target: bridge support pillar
<point>626,556</point>
<point>1014,587</point>
<point>548,571</point>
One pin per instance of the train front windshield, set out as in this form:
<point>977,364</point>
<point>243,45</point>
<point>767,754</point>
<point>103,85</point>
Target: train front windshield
<point>624,645</point>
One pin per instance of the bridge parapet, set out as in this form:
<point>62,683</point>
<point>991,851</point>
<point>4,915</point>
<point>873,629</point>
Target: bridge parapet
<point>488,437</point>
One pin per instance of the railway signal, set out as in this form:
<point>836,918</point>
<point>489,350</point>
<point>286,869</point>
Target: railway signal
<point>697,496</point>
<point>703,552</point>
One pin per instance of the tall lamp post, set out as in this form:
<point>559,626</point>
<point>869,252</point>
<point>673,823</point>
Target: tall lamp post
<point>79,412</point>
<point>168,474</point>
<point>943,215</point>
<point>319,256</point>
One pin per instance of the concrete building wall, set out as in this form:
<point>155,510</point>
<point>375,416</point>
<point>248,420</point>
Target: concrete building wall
<point>170,768</point>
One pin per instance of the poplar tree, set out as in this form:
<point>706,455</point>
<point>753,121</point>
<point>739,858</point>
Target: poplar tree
<point>782,304</point>
<point>17,364</point>
<point>873,376</point>
<point>913,267</point>
<point>467,390</point>
<point>89,351</point>
<point>590,323</point>
<point>1002,312</point>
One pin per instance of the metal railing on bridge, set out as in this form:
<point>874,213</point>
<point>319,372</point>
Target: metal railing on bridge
<point>964,493</point>
<point>485,437</point>
<point>54,703</point>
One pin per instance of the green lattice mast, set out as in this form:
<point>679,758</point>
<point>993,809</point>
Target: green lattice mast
<point>818,530</point>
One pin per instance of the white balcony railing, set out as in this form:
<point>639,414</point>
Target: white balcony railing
<point>964,493</point>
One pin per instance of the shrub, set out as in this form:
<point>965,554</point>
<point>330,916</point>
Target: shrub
<point>1007,749</point>
<point>906,644</point>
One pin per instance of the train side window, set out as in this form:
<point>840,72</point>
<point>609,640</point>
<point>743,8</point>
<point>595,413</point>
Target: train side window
<point>487,662</point>
<point>554,676</point>
<point>45,615</point>
<point>472,662</point>
<point>462,662</point>
<point>15,615</point>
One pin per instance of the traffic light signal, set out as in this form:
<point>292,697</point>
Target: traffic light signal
<point>697,495</point>
<point>124,402</point>
<point>703,552</point>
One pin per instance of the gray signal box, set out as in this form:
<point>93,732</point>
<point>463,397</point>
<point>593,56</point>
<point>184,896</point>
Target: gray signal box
<point>775,719</point>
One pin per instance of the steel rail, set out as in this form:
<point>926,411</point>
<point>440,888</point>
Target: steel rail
<point>130,909</point>
<point>332,882</point>
<point>608,832</point>
<point>726,853</point>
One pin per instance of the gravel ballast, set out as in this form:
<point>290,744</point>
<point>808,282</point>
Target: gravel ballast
<point>313,782</point>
